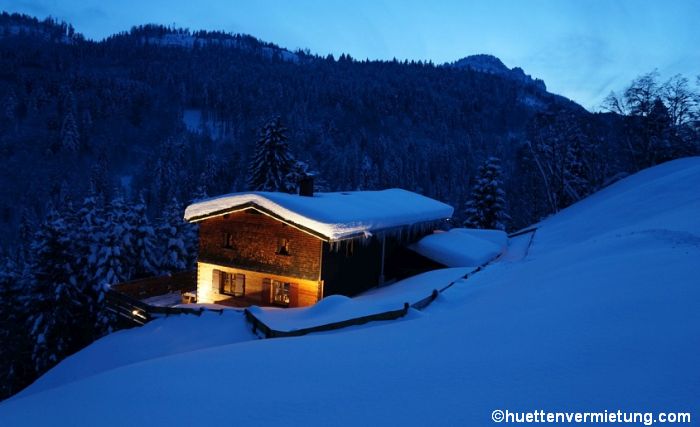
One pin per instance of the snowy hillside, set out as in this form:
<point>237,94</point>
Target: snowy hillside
<point>601,315</point>
<point>187,40</point>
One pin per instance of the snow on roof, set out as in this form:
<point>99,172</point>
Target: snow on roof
<point>334,216</point>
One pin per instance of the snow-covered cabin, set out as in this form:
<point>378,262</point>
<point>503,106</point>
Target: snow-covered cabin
<point>291,250</point>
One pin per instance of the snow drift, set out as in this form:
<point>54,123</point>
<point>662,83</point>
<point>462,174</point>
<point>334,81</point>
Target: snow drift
<point>461,247</point>
<point>337,308</point>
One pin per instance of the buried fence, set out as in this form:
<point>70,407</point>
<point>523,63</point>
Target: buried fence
<point>125,300</point>
<point>183,281</point>
<point>268,332</point>
<point>532,231</point>
<point>259,325</point>
<point>523,231</point>
<point>133,312</point>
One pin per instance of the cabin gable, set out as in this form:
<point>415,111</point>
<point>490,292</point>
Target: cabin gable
<point>254,241</point>
<point>247,257</point>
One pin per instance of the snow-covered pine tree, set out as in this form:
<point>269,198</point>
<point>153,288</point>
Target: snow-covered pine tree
<point>112,261</point>
<point>9,289</point>
<point>56,325</point>
<point>172,235</point>
<point>99,180</point>
<point>90,218</point>
<point>200,193</point>
<point>89,229</point>
<point>67,99</point>
<point>25,233</point>
<point>207,177</point>
<point>10,106</point>
<point>70,138</point>
<point>368,176</point>
<point>486,207</point>
<point>12,328</point>
<point>116,243</point>
<point>658,134</point>
<point>169,172</point>
<point>562,155</point>
<point>272,161</point>
<point>575,182</point>
<point>86,122</point>
<point>143,258</point>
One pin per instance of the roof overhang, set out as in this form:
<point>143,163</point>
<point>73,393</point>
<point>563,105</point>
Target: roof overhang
<point>312,232</point>
<point>265,211</point>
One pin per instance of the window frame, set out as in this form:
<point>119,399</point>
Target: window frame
<point>232,279</point>
<point>227,240</point>
<point>286,292</point>
<point>282,247</point>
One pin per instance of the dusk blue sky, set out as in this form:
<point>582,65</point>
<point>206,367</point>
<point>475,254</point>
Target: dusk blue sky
<point>581,49</point>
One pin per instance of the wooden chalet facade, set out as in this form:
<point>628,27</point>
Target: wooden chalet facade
<point>293,250</point>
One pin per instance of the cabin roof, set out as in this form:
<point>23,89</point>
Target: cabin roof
<point>331,216</point>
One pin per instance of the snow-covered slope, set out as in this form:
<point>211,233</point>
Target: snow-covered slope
<point>161,337</point>
<point>601,315</point>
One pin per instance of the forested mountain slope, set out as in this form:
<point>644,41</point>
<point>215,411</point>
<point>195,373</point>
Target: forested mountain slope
<point>166,111</point>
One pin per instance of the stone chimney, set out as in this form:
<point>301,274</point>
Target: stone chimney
<point>306,186</point>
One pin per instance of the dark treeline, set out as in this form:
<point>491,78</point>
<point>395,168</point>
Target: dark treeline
<point>103,143</point>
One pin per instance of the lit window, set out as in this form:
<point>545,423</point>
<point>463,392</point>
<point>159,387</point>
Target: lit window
<point>280,292</point>
<point>282,247</point>
<point>232,284</point>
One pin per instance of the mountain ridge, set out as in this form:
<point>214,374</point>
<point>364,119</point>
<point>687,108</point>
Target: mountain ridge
<point>165,36</point>
<point>491,64</point>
